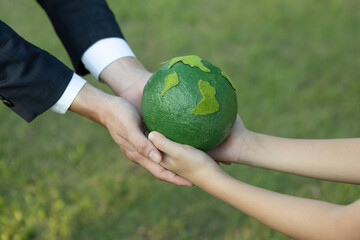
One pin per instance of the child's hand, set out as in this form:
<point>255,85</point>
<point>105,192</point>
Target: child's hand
<point>236,147</point>
<point>183,160</point>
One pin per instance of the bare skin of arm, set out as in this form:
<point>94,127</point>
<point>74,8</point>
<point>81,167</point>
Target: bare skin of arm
<point>328,159</point>
<point>296,217</point>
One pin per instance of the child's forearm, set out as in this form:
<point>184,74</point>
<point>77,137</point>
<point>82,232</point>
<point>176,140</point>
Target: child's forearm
<point>331,159</point>
<point>297,217</point>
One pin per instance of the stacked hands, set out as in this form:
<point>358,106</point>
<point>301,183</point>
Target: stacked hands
<point>328,159</point>
<point>121,114</point>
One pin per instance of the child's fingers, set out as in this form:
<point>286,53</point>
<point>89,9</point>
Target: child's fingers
<point>163,144</point>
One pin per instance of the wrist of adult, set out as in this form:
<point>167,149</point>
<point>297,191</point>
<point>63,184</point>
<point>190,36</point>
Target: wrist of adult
<point>91,103</point>
<point>124,73</point>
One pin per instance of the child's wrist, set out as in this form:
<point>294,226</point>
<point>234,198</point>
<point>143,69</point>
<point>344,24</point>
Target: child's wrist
<point>249,148</point>
<point>205,174</point>
<point>210,178</point>
<point>256,154</point>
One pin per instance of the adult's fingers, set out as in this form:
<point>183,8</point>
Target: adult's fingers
<point>143,146</point>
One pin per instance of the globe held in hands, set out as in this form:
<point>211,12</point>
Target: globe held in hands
<point>190,101</point>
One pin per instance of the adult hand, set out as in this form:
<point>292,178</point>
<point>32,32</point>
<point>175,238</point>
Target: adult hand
<point>124,124</point>
<point>127,78</point>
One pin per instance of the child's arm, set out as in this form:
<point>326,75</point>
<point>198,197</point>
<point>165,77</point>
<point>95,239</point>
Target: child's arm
<point>296,217</point>
<point>329,159</point>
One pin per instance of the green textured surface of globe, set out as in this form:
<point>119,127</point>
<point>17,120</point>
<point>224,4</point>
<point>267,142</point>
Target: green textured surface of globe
<point>190,101</point>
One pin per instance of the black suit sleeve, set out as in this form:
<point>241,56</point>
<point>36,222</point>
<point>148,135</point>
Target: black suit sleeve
<point>79,24</point>
<point>31,80</point>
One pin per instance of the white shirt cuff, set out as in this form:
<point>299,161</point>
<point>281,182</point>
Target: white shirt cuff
<point>105,51</point>
<point>71,91</point>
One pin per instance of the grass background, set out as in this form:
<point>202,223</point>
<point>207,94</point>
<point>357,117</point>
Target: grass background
<point>296,68</point>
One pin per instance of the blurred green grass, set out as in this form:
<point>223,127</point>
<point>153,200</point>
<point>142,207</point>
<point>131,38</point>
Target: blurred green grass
<point>295,65</point>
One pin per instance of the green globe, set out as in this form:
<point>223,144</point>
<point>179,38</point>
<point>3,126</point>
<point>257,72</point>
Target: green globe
<point>190,101</point>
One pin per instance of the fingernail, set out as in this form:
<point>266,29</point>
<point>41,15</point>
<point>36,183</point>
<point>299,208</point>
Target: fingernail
<point>155,156</point>
<point>151,136</point>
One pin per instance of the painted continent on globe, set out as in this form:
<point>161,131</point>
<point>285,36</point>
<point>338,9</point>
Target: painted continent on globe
<point>190,101</point>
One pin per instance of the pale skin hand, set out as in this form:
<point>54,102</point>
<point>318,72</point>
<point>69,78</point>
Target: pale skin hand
<point>124,124</point>
<point>328,159</point>
<point>296,217</point>
<point>127,78</point>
